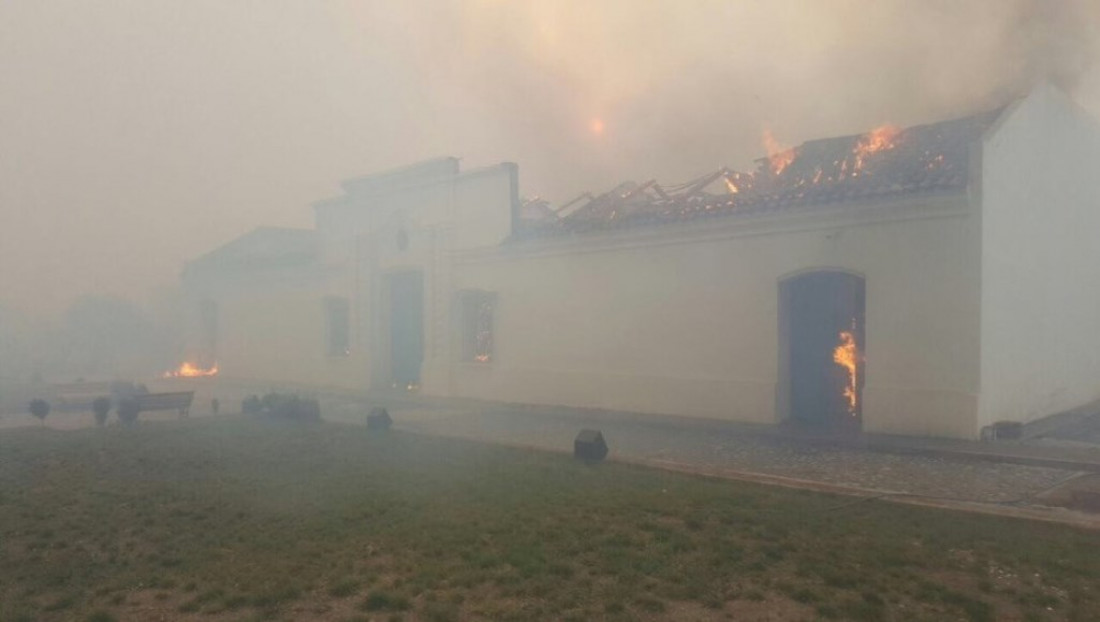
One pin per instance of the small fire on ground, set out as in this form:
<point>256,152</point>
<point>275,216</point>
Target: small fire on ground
<point>190,370</point>
<point>846,354</point>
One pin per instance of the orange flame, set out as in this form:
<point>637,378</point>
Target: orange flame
<point>779,157</point>
<point>846,354</point>
<point>189,370</point>
<point>877,140</point>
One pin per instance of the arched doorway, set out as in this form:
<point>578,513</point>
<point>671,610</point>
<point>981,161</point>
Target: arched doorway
<point>821,345</point>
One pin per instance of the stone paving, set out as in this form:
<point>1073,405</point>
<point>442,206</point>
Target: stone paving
<point>937,477</point>
<point>1086,430</point>
<point>686,444</point>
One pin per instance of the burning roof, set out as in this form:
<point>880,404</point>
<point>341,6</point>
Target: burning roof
<point>886,162</point>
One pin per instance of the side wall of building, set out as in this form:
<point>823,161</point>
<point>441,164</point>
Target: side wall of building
<point>1040,261</point>
<point>685,321</point>
<point>272,328</point>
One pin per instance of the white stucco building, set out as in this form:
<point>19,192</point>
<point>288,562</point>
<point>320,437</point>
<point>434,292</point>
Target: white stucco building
<point>956,257</point>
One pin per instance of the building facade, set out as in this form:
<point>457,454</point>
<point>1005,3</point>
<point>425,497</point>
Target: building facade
<point>927,281</point>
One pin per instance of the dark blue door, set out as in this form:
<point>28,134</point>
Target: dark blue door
<point>825,310</point>
<point>407,327</point>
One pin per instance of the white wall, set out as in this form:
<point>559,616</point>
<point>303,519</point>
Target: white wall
<point>681,319</point>
<point>476,204</point>
<point>684,320</point>
<point>1040,334</point>
<point>483,204</point>
<point>271,328</point>
<point>439,209</point>
<point>271,320</point>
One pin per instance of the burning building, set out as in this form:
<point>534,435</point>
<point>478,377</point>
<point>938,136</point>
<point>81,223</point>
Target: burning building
<point>929,280</point>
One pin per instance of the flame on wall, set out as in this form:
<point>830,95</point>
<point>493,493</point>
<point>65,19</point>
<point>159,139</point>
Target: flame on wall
<point>190,370</point>
<point>846,354</point>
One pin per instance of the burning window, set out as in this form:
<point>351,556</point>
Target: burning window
<point>338,325</point>
<point>477,326</point>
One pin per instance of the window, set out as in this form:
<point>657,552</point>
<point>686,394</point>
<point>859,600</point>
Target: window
<point>338,326</point>
<point>477,326</point>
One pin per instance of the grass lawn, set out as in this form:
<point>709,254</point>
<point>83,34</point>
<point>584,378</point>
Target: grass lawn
<point>238,519</point>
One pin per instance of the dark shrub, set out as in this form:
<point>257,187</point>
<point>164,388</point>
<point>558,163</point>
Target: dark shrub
<point>101,407</point>
<point>270,402</point>
<point>40,408</point>
<point>128,409</point>
<point>288,407</point>
<point>379,419</point>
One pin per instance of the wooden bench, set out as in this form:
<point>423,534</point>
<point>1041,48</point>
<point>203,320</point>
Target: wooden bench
<point>178,400</point>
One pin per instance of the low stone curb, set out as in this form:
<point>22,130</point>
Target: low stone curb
<point>1040,513</point>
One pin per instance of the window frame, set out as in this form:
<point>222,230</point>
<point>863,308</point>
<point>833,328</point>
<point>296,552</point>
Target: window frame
<point>332,306</point>
<point>477,342</point>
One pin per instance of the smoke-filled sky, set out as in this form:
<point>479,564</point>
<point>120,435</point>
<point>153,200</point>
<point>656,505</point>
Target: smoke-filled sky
<point>137,134</point>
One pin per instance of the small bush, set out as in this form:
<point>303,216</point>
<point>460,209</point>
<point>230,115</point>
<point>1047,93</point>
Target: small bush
<point>289,407</point>
<point>128,410</point>
<point>101,407</point>
<point>379,419</point>
<point>40,408</point>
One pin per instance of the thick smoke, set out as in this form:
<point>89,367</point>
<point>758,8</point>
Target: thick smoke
<point>138,135</point>
<point>683,89</point>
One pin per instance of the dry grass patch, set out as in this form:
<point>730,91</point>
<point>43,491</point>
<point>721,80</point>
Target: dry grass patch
<point>236,519</point>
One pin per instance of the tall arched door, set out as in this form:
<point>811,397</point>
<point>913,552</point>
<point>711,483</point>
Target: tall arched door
<point>821,331</point>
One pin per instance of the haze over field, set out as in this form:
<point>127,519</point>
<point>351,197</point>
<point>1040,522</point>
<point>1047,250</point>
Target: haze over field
<point>139,134</point>
<point>796,317</point>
